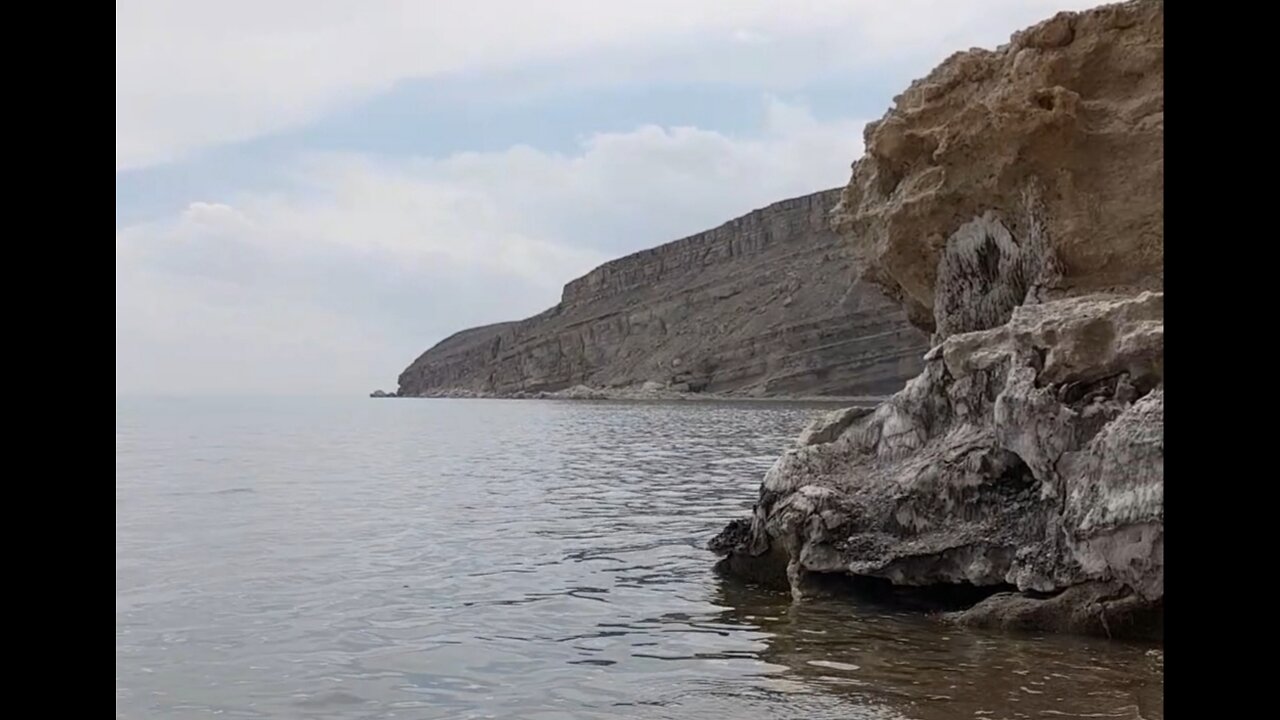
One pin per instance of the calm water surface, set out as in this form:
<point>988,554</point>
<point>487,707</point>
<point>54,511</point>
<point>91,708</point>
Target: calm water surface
<point>515,559</point>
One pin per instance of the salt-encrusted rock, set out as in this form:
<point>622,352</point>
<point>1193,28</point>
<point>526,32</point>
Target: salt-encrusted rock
<point>829,426</point>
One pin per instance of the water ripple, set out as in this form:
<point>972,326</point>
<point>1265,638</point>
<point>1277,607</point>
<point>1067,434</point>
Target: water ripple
<point>464,559</point>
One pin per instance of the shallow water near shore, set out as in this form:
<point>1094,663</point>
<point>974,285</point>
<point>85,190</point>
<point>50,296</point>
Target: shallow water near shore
<point>358,558</point>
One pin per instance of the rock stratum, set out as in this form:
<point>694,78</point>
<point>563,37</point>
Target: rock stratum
<point>1012,203</point>
<point>760,306</point>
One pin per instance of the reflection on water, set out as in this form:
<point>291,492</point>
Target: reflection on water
<point>873,655</point>
<point>491,559</point>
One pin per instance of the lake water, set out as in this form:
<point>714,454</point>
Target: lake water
<point>361,558</point>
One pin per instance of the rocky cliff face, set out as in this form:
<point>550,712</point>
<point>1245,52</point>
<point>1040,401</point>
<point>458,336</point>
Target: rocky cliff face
<point>1012,202</point>
<point>762,305</point>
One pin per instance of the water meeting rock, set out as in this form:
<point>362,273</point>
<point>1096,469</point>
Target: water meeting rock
<point>1012,202</point>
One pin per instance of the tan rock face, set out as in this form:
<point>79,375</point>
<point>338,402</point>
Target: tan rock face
<point>1072,108</point>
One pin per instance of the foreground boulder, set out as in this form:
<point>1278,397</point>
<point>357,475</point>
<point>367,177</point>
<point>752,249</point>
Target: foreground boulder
<point>1007,463</point>
<point>1012,203</point>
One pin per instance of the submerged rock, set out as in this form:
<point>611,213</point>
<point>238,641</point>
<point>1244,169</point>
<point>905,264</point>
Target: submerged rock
<point>1028,455</point>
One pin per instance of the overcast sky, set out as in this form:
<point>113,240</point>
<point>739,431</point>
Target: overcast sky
<point>309,193</point>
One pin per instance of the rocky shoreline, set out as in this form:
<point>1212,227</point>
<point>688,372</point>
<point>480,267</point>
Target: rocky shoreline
<point>643,393</point>
<point>1012,202</point>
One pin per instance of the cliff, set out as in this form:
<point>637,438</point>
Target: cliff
<point>762,305</point>
<point>1012,202</point>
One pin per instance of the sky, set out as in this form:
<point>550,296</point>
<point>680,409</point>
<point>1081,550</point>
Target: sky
<point>310,193</point>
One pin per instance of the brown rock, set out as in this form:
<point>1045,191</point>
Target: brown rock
<point>1055,32</point>
<point>1071,109</point>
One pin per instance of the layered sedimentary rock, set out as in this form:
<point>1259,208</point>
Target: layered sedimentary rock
<point>762,305</point>
<point>1012,202</point>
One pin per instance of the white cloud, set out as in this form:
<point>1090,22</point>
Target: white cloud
<point>750,37</point>
<point>198,73</point>
<point>338,283</point>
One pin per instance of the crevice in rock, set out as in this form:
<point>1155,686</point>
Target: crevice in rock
<point>934,598</point>
<point>768,570</point>
<point>1120,387</point>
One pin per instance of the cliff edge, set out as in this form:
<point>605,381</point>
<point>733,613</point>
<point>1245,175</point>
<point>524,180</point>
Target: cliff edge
<point>1012,203</point>
<point>762,305</point>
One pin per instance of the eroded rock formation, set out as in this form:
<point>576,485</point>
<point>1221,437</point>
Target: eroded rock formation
<point>1012,201</point>
<point>761,306</point>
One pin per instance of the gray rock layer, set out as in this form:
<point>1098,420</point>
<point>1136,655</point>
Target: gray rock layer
<point>1028,455</point>
<point>762,305</point>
